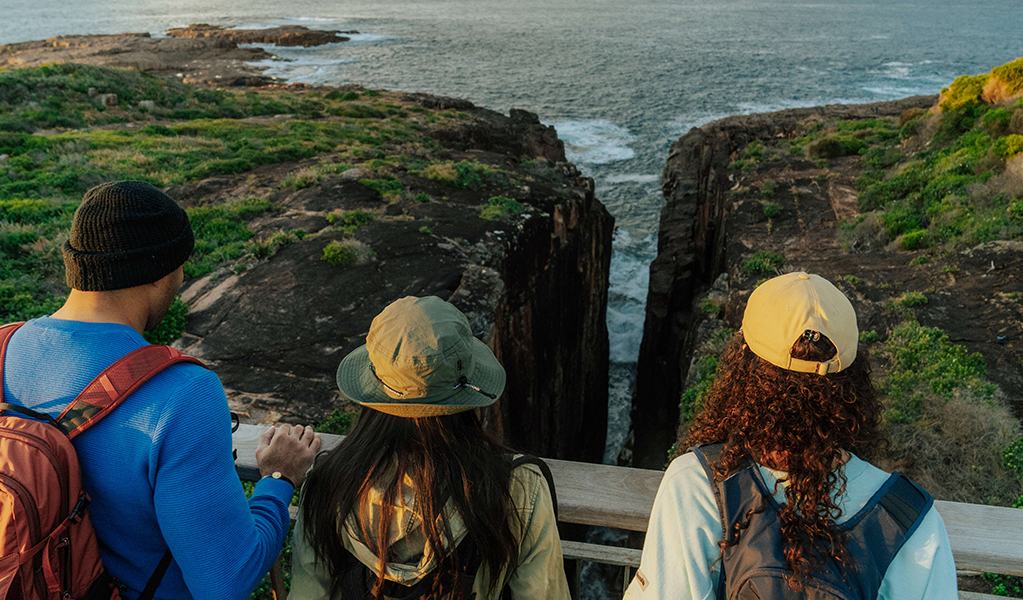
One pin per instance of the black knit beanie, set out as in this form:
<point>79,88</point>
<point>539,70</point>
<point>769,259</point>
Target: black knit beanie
<point>125,234</point>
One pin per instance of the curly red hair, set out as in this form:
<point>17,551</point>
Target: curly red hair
<point>795,422</point>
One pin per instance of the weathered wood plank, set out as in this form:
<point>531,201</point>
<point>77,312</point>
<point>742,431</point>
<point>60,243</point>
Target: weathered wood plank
<point>608,555</point>
<point>977,596</point>
<point>983,538</point>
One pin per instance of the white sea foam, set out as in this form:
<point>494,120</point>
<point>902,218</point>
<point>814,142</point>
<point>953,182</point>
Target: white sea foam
<point>632,178</point>
<point>310,69</point>
<point>596,141</point>
<point>629,279</point>
<point>894,92</point>
<point>896,70</point>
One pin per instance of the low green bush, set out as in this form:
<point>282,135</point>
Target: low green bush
<point>914,240</point>
<point>762,263</point>
<point>1011,74</point>
<point>835,147</point>
<point>500,206</point>
<point>1008,146</point>
<point>964,90</point>
<point>386,185</point>
<point>907,300</point>
<point>339,254</point>
<point>923,357</point>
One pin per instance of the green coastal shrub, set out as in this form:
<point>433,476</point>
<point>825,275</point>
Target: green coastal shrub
<point>943,417</point>
<point>339,254</point>
<point>387,185</point>
<point>964,90</point>
<point>1008,146</point>
<point>762,263</point>
<point>924,358</point>
<point>1011,74</point>
<point>771,210</point>
<point>906,300</point>
<point>464,174</point>
<point>500,206</point>
<point>914,240</point>
<point>350,220</point>
<point>835,147</point>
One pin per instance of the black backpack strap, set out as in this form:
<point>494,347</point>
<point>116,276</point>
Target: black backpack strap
<point>906,503</point>
<point>533,460</point>
<point>708,454</point>
<point>157,576</point>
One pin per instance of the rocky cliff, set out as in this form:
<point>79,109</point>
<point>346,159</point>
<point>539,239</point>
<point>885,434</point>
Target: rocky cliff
<point>716,216</point>
<point>532,279</point>
<point>316,207</point>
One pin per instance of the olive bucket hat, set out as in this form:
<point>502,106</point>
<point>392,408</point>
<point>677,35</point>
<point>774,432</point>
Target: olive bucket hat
<point>421,360</point>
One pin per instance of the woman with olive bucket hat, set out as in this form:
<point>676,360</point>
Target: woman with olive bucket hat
<point>419,500</point>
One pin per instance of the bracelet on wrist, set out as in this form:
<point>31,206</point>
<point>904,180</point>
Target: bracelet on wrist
<point>278,475</point>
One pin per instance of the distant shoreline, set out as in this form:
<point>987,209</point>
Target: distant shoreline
<point>198,54</point>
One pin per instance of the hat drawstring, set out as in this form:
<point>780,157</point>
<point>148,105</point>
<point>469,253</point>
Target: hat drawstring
<point>383,383</point>
<point>463,381</point>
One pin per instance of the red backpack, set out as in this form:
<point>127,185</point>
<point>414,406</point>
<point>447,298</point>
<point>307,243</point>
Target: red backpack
<point>48,548</point>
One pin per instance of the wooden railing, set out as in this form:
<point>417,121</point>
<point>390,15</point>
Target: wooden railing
<point>983,538</point>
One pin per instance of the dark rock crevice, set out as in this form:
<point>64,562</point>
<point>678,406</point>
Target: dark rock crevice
<point>692,252</point>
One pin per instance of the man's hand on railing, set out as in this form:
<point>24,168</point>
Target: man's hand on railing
<point>287,450</point>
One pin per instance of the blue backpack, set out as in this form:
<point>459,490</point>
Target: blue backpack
<point>755,567</point>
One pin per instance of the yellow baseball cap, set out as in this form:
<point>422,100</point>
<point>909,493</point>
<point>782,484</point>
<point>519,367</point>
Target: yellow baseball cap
<point>783,308</point>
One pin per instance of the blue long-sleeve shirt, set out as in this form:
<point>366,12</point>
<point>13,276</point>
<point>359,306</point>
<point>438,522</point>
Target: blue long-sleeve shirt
<point>158,468</point>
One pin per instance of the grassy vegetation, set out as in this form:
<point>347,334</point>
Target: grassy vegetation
<point>172,325</point>
<point>762,263</point>
<point>339,254</point>
<point>947,420</point>
<point>500,206</point>
<point>956,190</point>
<point>464,174</point>
<point>59,139</point>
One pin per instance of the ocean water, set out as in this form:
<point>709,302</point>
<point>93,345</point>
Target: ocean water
<point>619,80</point>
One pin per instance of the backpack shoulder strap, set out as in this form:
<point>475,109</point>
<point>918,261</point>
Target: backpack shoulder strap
<point>115,383</point>
<point>5,337</point>
<point>539,462</point>
<point>907,503</point>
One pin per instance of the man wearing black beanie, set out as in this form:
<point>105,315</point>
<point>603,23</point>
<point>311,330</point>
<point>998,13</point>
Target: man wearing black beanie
<point>159,468</point>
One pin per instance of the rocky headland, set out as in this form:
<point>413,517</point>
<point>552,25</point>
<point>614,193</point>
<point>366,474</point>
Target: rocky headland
<point>927,247</point>
<point>197,54</point>
<point>314,208</point>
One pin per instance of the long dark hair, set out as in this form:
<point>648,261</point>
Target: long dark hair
<point>450,456</point>
<point>804,420</point>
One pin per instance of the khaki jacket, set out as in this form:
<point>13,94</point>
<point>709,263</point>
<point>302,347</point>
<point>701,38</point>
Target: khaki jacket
<point>539,574</point>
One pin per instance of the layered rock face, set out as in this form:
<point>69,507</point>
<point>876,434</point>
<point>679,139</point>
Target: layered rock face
<point>534,284</point>
<point>697,233</point>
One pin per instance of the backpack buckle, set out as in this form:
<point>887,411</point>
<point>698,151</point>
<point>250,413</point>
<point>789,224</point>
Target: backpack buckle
<point>79,509</point>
